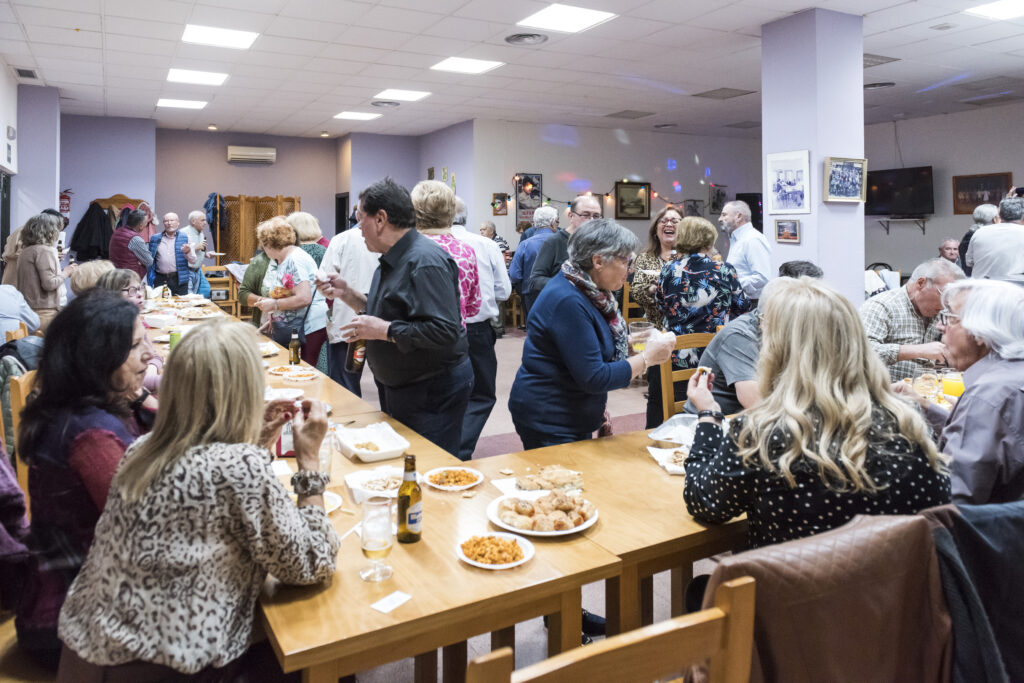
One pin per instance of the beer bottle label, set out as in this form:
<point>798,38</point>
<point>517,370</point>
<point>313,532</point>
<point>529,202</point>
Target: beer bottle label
<point>359,354</point>
<point>414,518</point>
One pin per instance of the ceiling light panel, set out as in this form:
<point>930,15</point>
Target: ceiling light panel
<point>180,104</point>
<point>403,95</point>
<point>356,116</point>
<point>1004,9</point>
<point>464,65</point>
<point>218,37</point>
<point>196,77</point>
<point>565,18</point>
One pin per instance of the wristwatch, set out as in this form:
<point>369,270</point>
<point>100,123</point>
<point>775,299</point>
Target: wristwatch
<point>713,414</point>
<point>309,483</point>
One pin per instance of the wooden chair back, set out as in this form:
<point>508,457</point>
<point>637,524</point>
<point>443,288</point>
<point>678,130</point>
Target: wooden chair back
<point>20,389</point>
<point>632,312</point>
<point>669,376</point>
<point>723,634</point>
<point>19,333</point>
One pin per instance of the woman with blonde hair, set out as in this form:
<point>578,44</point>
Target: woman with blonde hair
<point>40,278</point>
<point>828,440</point>
<point>311,237</point>
<point>195,520</point>
<point>88,274</point>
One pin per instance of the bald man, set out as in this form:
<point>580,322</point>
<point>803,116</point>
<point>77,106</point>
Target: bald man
<point>555,251</point>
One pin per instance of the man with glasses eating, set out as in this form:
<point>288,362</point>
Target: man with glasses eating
<point>555,250</point>
<point>902,324</point>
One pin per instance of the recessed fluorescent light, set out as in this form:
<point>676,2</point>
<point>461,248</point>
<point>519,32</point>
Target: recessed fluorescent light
<point>196,77</point>
<point>404,95</point>
<point>565,18</point>
<point>1004,9</point>
<point>212,126</point>
<point>324,134</point>
<point>464,65</point>
<point>218,37</point>
<point>180,104</point>
<point>356,116</point>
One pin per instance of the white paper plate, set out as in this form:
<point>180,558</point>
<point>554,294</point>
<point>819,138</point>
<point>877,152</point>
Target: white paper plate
<point>390,443</point>
<point>477,473</point>
<point>492,514</point>
<point>525,544</point>
<point>332,501</point>
<point>355,481</point>
<point>268,349</point>
<point>663,456</point>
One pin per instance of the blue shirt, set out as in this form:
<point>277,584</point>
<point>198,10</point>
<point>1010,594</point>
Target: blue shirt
<point>522,262</point>
<point>567,369</point>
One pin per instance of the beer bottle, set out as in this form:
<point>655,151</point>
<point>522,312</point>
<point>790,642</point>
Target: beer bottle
<point>410,504</point>
<point>356,355</point>
<point>294,350</point>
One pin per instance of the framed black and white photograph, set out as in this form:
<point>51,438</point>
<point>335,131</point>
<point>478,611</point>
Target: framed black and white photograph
<point>717,199</point>
<point>693,207</point>
<point>788,176</point>
<point>787,230</point>
<point>985,188</point>
<point>632,201</point>
<point>845,179</point>
<point>529,195</point>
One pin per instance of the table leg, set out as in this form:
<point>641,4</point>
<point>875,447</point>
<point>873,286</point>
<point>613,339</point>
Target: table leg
<point>566,625</point>
<point>679,578</point>
<point>622,601</point>
<point>321,673</point>
<point>426,667</point>
<point>453,662</point>
<point>647,600</point>
<point>506,637</point>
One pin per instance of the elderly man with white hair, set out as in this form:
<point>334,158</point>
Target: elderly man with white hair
<point>901,324</point>
<point>749,251</point>
<point>194,231</point>
<point>545,220</point>
<point>984,214</point>
<point>997,251</point>
<point>982,324</point>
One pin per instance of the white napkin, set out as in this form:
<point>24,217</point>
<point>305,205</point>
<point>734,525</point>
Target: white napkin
<point>662,456</point>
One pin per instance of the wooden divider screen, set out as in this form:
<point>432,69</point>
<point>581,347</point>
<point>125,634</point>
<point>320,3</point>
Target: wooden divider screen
<point>244,213</point>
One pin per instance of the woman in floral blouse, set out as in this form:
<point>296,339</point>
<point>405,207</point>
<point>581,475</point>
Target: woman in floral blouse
<point>647,266</point>
<point>695,293</point>
<point>195,520</point>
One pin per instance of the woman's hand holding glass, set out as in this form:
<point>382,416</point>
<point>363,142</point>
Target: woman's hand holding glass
<point>658,348</point>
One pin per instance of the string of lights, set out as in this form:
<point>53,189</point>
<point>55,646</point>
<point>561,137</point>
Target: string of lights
<point>548,200</point>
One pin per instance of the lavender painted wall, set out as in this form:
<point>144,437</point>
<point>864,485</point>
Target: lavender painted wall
<point>104,156</point>
<point>35,187</point>
<point>375,156</point>
<point>452,147</point>
<point>192,164</point>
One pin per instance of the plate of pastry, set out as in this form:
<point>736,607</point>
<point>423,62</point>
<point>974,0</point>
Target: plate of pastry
<point>543,513</point>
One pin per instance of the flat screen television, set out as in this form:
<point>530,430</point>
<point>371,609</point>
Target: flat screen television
<point>900,192</point>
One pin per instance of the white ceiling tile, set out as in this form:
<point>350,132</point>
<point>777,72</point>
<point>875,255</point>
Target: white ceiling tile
<point>143,29</point>
<point>504,12</point>
<point>207,53</point>
<point>396,19</point>
<point>65,78</point>
<point>372,37</point>
<point>354,53</point>
<point>274,59</point>
<point>56,18</point>
<point>1010,44</point>
<point>11,32</point>
<point>17,54</point>
<point>290,27</point>
<point>238,20</point>
<point>132,58</point>
<point>462,28</point>
<point>152,10</point>
<point>151,75</point>
<point>861,7</point>
<point>7,14</point>
<point>50,65</point>
<point>63,36</point>
<point>902,15</point>
<point>146,46</point>
<point>673,11</point>
<point>430,45</point>
<point>335,66</point>
<point>262,6</point>
<point>288,46</point>
<point>340,11</point>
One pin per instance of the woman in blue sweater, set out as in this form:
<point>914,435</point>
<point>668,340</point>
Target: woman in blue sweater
<point>576,347</point>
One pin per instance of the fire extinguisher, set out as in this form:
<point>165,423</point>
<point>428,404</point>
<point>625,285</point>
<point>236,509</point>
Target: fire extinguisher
<point>65,204</point>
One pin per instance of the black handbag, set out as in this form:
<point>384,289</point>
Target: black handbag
<point>281,331</point>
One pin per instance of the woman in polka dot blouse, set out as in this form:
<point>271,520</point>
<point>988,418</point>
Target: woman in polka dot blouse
<point>828,441</point>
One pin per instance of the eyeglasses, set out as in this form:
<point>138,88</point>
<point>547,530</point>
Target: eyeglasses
<point>132,291</point>
<point>669,221</point>
<point>946,317</point>
<point>628,260</point>
<point>589,215</point>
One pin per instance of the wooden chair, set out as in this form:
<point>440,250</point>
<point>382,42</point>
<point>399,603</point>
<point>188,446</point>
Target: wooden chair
<point>723,634</point>
<point>20,389</point>
<point>632,312</point>
<point>669,376</point>
<point>19,333</point>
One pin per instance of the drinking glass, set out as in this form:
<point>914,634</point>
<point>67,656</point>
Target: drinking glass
<point>638,333</point>
<point>376,538</point>
<point>926,382</point>
<point>952,383</point>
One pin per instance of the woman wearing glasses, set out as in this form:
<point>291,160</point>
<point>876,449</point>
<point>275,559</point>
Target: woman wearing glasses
<point>127,284</point>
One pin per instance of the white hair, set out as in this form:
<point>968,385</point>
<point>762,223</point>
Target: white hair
<point>192,215</point>
<point>460,211</point>
<point>544,216</point>
<point>985,214</point>
<point>993,312</point>
<point>740,206</point>
<point>936,268</point>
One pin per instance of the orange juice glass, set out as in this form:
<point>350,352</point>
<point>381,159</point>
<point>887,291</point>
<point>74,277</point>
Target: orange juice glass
<point>952,384</point>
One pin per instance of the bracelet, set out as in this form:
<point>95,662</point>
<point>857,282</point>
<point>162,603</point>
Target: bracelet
<point>276,306</point>
<point>310,482</point>
<point>713,414</point>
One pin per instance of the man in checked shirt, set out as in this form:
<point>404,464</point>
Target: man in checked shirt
<point>901,323</point>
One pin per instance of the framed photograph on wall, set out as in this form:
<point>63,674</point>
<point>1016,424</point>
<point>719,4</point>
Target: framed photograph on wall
<point>789,175</point>
<point>693,207</point>
<point>985,188</point>
<point>632,201</point>
<point>529,196</point>
<point>499,204</point>
<point>787,230</point>
<point>717,198</point>
<point>846,180</point>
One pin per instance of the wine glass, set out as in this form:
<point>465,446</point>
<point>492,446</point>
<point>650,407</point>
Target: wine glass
<point>376,538</point>
<point>638,334</point>
<point>926,382</point>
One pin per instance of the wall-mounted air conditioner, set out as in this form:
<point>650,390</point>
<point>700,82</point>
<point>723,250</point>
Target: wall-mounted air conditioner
<point>252,155</point>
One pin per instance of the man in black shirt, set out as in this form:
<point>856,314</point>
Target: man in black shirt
<point>556,249</point>
<point>416,344</point>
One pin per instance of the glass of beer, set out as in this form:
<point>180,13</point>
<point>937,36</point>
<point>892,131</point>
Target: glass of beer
<point>952,383</point>
<point>638,333</point>
<point>376,536</point>
<point>926,382</point>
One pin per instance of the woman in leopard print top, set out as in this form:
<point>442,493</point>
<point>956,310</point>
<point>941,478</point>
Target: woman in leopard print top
<point>196,519</point>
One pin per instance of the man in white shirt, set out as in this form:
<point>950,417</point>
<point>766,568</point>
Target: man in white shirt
<point>495,286</point>
<point>997,251</point>
<point>348,256</point>
<point>749,252</point>
<point>194,231</point>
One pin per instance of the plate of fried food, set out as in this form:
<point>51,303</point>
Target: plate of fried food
<point>495,550</point>
<point>199,313</point>
<point>543,513</point>
<point>551,478</point>
<point>380,481</point>
<point>300,374</point>
<point>453,478</point>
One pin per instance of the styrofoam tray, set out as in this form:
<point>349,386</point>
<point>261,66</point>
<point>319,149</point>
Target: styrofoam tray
<point>390,443</point>
<point>680,429</point>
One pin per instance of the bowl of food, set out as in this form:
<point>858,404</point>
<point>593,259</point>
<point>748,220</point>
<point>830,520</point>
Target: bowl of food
<point>453,478</point>
<point>495,550</point>
<point>380,481</point>
<point>375,442</point>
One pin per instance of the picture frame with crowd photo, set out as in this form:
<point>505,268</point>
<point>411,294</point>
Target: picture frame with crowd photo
<point>846,180</point>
